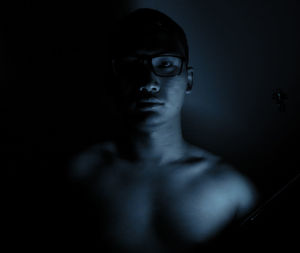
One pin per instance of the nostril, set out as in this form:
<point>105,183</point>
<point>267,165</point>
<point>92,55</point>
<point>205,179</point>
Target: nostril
<point>150,87</point>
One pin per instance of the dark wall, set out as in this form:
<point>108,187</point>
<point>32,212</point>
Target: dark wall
<point>53,70</point>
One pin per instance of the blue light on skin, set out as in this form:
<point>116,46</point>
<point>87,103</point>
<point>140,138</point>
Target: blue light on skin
<point>156,172</point>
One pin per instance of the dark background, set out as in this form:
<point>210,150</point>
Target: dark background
<point>54,70</point>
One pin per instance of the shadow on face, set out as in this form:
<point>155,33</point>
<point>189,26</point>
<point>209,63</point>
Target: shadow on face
<point>151,77</point>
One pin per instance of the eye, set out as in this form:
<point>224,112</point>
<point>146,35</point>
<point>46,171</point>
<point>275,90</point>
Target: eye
<point>166,64</point>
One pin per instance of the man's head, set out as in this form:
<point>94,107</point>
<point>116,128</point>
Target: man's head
<point>150,64</point>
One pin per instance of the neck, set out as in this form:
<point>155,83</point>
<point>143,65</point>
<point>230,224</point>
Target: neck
<point>161,143</point>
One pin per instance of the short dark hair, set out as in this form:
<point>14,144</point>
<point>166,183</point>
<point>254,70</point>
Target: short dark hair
<point>144,20</point>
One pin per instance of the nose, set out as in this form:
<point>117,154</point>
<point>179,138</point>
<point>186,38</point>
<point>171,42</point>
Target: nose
<point>150,84</point>
<point>150,87</point>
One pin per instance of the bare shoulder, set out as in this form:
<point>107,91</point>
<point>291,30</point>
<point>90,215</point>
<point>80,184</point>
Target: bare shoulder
<point>85,163</point>
<point>229,182</point>
<point>239,189</point>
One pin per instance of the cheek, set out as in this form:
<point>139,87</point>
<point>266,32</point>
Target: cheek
<point>127,91</point>
<point>125,87</point>
<point>175,93</point>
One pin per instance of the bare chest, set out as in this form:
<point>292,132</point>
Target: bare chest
<point>150,208</point>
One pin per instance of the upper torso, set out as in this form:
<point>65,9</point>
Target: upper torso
<point>150,208</point>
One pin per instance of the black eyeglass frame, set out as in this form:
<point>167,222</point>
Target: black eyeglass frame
<point>148,60</point>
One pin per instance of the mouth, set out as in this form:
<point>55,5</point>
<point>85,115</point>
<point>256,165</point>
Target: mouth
<point>148,104</point>
<point>150,101</point>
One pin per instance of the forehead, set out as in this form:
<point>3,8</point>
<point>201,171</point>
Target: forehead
<point>149,43</point>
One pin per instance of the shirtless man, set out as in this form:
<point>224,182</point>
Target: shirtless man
<point>152,191</point>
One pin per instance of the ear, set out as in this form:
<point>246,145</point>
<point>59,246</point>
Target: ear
<point>190,76</point>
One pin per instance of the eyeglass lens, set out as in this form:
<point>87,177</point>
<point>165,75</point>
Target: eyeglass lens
<point>165,65</point>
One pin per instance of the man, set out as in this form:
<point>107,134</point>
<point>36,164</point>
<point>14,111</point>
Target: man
<point>151,190</point>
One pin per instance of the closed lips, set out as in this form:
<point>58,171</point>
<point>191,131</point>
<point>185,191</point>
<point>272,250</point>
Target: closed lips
<point>150,101</point>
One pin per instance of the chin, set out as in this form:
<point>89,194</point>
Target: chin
<point>148,118</point>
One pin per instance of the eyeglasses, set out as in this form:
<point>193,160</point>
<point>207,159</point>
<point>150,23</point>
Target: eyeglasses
<point>160,65</point>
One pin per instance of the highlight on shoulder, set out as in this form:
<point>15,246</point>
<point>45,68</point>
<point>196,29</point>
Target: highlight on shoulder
<point>239,187</point>
<point>84,164</point>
